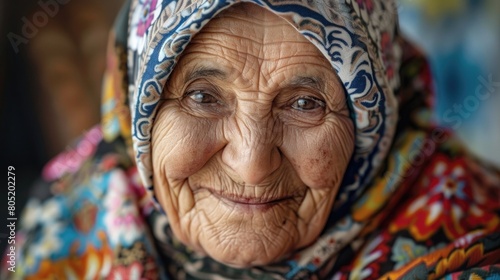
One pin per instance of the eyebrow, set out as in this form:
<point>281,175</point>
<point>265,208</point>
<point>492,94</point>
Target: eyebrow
<point>308,81</point>
<point>206,72</point>
<point>313,82</point>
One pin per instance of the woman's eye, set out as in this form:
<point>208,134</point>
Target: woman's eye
<point>307,104</point>
<point>202,97</point>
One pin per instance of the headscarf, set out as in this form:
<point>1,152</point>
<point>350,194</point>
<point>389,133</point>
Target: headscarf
<point>412,204</point>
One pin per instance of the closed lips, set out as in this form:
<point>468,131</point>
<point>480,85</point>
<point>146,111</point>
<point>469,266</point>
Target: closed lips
<point>249,200</point>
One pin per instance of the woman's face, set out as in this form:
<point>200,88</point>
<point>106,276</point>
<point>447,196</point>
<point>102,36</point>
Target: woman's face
<point>251,145</point>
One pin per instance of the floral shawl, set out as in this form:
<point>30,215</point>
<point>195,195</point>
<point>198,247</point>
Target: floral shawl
<point>413,203</point>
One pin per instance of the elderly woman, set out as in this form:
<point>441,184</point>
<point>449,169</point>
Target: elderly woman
<point>263,139</point>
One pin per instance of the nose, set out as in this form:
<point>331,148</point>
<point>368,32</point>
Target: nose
<point>252,152</point>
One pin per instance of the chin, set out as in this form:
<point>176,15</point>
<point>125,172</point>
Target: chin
<point>248,250</point>
<point>241,238</point>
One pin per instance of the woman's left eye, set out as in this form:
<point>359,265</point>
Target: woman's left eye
<point>307,104</point>
<point>202,97</point>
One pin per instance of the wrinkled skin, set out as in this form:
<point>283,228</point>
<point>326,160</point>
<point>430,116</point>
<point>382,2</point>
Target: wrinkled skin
<point>251,144</point>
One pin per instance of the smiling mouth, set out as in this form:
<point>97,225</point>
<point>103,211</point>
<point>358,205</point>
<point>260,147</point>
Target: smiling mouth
<point>250,203</point>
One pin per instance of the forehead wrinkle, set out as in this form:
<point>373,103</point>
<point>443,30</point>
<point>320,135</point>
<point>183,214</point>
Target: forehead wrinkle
<point>248,31</point>
<point>245,25</point>
<point>220,49</point>
<point>240,14</point>
<point>235,63</point>
<point>222,39</point>
<point>227,27</point>
<point>212,50</point>
<point>222,68</point>
<point>251,45</point>
<point>314,82</point>
<point>313,76</point>
<point>205,71</point>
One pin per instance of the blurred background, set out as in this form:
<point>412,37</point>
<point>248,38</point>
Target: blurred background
<point>462,42</point>
<point>53,56</point>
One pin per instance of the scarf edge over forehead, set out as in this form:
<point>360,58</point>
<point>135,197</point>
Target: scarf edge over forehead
<point>357,37</point>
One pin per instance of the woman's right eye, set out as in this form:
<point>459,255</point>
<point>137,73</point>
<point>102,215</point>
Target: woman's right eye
<point>202,97</point>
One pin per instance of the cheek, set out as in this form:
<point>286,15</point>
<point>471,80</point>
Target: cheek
<point>182,144</point>
<point>320,155</point>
